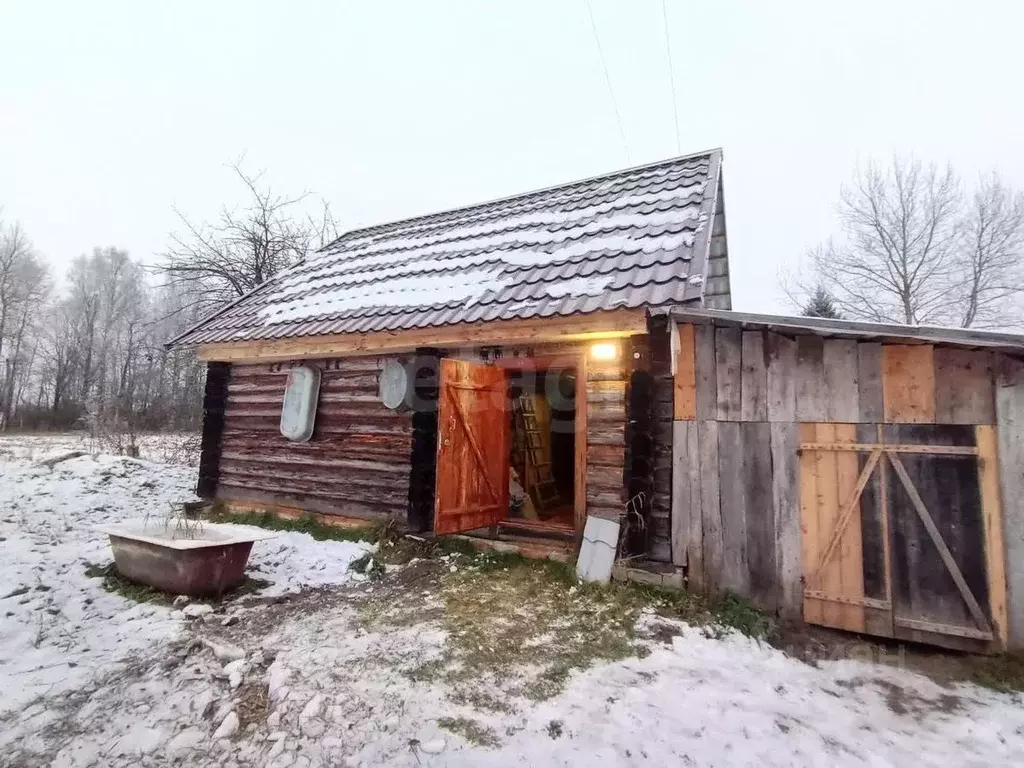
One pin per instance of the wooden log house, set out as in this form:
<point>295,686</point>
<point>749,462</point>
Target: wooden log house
<point>856,476</point>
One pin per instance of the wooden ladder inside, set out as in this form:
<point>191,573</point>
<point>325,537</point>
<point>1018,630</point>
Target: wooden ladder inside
<point>530,446</point>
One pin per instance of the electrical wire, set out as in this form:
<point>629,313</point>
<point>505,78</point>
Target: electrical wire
<point>608,80</point>
<point>671,77</point>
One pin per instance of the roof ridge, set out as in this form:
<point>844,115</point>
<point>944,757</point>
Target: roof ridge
<point>710,153</point>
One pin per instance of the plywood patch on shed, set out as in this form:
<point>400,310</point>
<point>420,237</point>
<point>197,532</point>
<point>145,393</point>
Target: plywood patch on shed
<point>908,383</point>
<point>684,401</point>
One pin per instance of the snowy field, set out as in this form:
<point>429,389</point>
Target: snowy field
<point>295,675</point>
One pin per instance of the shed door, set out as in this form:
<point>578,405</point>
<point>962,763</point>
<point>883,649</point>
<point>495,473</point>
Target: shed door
<point>895,530</point>
<point>472,447</point>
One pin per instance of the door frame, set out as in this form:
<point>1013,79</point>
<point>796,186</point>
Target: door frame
<point>882,460</point>
<point>576,361</point>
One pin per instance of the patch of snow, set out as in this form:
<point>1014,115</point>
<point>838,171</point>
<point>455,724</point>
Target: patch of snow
<point>578,286</point>
<point>228,728</point>
<point>433,747</point>
<point>415,291</point>
<point>502,232</point>
<point>294,560</point>
<point>545,212</point>
<point>615,243</point>
<point>397,268</point>
<point>508,247</point>
<point>106,682</point>
<point>196,610</point>
<point>59,626</point>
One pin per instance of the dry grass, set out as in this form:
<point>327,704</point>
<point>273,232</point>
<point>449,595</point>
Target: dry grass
<point>517,629</point>
<point>252,703</point>
<point>470,730</point>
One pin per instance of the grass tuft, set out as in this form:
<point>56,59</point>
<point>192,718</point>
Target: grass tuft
<point>470,730</point>
<point>368,565</point>
<point>305,524</point>
<point>116,583</point>
<point>1004,672</point>
<point>739,614</point>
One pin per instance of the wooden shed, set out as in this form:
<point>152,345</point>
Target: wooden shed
<point>861,476</point>
<point>512,367</point>
<point>484,368</point>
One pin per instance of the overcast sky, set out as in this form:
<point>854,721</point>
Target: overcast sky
<point>111,114</point>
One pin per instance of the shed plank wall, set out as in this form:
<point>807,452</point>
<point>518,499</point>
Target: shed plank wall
<point>1010,435</point>
<point>736,486</point>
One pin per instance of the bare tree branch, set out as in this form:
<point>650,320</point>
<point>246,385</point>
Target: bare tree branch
<point>218,261</point>
<point>915,251</point>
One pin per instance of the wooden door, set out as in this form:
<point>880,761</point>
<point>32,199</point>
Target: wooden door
<point>472,447</point>
<point>898,531</point>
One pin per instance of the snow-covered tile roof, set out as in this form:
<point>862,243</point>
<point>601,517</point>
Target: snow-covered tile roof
<point>634,238</point>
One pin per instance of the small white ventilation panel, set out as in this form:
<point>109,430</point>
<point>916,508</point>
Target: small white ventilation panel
<point>298,412</point>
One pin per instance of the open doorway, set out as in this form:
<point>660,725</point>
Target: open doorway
<point>542,448</point>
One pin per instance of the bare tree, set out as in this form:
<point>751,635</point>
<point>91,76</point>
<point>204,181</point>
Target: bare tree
<point>24,284</point>
<point>15,248</point>
<point>898,258</point>
<point>218,261</point>
<point>992,254</point>
<point>913,250</point>
<point>96,350</point>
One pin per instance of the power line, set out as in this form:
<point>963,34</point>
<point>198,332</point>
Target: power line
<point>671,77</point>
<point>608,80</point>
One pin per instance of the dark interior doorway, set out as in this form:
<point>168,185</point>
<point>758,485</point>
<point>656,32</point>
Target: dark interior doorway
<point>542,455</point>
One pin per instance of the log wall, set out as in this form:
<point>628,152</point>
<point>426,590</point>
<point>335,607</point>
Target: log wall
<point>357,462</point>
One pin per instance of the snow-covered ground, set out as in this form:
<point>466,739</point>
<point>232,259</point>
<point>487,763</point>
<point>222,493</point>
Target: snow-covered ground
<point>293,676</point>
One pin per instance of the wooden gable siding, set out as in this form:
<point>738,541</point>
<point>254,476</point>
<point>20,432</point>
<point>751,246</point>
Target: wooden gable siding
<point>736,375</point>
<point>736,496</point>
<point>356,464</point>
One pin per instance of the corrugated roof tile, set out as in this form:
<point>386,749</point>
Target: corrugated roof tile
<point>632,238</point>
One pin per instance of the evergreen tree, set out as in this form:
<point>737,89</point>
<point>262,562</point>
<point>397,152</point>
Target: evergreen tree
<point>821,304</point>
